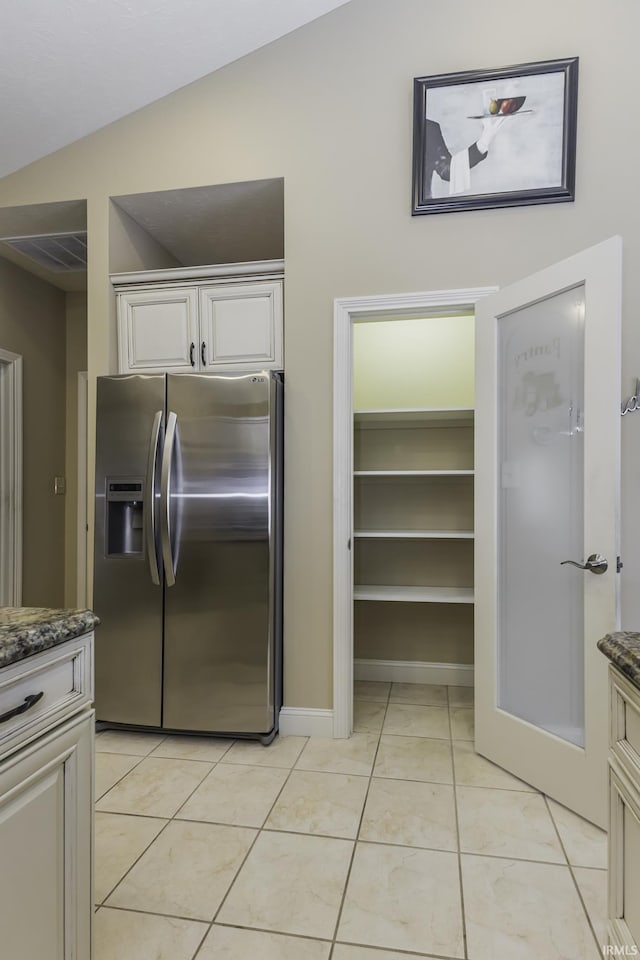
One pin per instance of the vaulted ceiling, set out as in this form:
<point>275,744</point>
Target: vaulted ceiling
<point>69,67</point>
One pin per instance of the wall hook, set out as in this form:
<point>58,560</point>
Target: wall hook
<point>633,403</point>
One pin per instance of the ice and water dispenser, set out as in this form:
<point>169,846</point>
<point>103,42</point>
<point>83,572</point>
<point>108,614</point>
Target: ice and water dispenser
<point>124,516</point>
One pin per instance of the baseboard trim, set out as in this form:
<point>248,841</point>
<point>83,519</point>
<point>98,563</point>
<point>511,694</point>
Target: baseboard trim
<point>305,722</point>
<point>414,671</point>
<point>620,939</point>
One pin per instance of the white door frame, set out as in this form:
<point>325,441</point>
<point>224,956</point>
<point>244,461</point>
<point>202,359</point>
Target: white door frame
<point>11,478</point>
<point>81,539</point>
<point>348,311</point>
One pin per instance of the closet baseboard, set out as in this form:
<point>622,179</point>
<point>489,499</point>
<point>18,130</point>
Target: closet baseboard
<point>305,722</point>
<point>414,671</point>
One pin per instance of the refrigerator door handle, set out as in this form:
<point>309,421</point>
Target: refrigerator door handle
<point>165,499</point>
<point>150,500</point>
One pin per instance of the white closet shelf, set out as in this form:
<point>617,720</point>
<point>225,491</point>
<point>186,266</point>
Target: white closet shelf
<point>414,534</point>
<point>389,415</point>
<point>413,594</point>
<point>413,473</point>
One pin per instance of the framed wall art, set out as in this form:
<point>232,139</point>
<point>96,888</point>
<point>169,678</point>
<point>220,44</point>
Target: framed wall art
<point>495,138</point>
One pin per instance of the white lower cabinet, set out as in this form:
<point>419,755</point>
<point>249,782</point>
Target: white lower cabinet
<point>45,846</point>
<point>624,827</point>
<point>46,804</point>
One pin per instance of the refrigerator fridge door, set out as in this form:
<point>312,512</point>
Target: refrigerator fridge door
<point>220,544</point>
<point>127,580</point>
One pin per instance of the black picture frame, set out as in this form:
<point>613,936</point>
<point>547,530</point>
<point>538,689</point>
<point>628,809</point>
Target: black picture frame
<point>530,160</point>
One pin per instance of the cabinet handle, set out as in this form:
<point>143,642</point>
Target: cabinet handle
<point>191,357</point>
<point>149,504</point>
<point>29,702</point>
<point>203,354</point>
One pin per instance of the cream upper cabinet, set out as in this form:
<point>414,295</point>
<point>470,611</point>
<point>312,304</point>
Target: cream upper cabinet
<point>197,322</point>
<point>157,329</point>
<point>241,325</point>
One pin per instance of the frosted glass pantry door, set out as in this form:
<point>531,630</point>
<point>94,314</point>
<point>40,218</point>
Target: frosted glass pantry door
<point>547,481</point>
<point>540,513</point>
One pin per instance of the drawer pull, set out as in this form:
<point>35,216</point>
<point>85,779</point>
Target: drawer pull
<point>29,702</point>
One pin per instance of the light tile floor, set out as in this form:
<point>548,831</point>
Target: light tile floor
<point>399,842</point>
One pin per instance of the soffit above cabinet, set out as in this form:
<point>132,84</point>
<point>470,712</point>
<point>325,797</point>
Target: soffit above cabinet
<point>216,223</point>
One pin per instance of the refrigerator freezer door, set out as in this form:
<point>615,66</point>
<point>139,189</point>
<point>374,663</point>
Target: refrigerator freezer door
<point>129,643</point>
<point>219,615</point>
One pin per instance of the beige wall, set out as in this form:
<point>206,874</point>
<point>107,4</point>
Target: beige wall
<point>32,323</point>
<point>417,362</point>
<point>75,361</point>
<point>329,108</point>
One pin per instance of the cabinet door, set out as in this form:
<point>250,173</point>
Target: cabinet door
<point>158,330</point>
<point>241,326</point>
<point>45,846</point>
<point>624,857</point>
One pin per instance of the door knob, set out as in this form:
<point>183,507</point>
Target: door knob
<point>596,563</point>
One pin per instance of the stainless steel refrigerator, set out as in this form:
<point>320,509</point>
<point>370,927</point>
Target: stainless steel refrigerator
<point>188,552</point>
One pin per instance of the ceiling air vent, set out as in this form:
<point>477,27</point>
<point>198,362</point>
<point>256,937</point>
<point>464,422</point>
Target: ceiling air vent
<point>58,252</point>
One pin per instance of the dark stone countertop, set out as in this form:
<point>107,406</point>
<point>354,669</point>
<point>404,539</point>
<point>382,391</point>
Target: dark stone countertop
<point>28,630</point>
<point>623,649</point>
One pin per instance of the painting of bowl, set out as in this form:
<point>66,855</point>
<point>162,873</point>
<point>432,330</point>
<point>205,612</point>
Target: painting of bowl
<point>508,105</point>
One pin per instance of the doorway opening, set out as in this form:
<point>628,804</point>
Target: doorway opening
<point>43,319</point>
<point>10,479</point>
<point>379,530</point>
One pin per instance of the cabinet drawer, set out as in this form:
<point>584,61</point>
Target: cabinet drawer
<point>625,722</point>
<point>51,687</point>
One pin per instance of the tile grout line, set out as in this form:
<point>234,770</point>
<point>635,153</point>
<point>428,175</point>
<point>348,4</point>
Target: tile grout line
<point>278,933</point>
<point>459,851</point>
<point>120,779</point>
<point>142,815</point>
<point>259,831</point>
<point>332,836</point>
<point>113,889</point>
<point>357,832</point>
<point>573,876</point>
<point>118,814</point>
